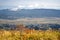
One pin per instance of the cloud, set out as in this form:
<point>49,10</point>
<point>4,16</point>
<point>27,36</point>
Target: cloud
<point>14,9</point>
<point>32,20</point>
<point>30,4</point>
<point>37,6</point>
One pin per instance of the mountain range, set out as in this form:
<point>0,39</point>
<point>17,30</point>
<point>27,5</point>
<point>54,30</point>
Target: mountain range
<point>30,13</point>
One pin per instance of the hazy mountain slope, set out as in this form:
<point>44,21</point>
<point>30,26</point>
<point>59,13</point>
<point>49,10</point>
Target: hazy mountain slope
<point>32,13</point>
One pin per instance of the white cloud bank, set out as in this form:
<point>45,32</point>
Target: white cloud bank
<point>38,6</point>
<point>32,21</point>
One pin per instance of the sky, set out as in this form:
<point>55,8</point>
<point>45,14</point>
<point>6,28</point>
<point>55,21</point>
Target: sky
<point>29,4</point>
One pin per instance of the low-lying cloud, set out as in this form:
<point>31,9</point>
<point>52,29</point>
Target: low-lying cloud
<point>32,20</point>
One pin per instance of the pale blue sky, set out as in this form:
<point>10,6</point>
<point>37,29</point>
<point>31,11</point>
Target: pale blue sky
<point>4,4</point>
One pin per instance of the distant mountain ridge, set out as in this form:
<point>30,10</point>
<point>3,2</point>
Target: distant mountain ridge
<point>31,13</point>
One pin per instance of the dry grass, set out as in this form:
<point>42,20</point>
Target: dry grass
<point>29,35</point>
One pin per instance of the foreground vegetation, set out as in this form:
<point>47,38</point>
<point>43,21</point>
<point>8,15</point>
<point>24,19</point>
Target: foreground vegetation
<point>29,35</point>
